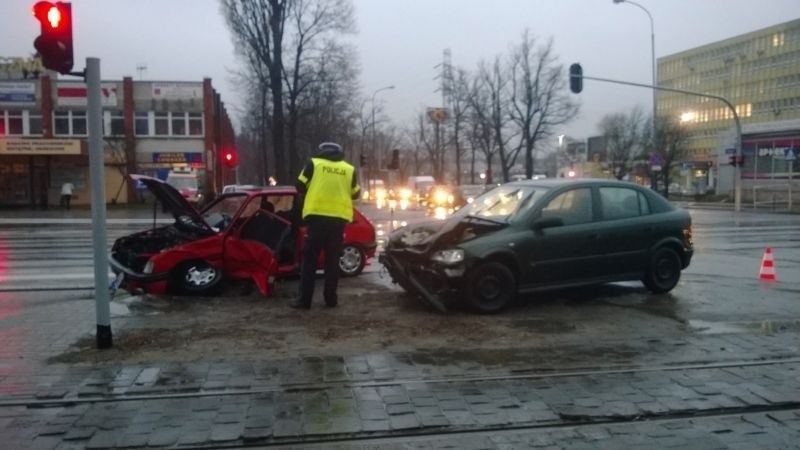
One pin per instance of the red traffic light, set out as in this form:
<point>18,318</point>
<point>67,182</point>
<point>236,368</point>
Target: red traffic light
<point>229,158</point>
<point>47,13</point>
<point>55,43</point>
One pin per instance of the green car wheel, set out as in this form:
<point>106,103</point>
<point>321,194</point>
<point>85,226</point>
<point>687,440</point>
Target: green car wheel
<point>490,287</point>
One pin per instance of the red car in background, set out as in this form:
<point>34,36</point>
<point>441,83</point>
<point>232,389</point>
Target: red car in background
<point>253,234</point>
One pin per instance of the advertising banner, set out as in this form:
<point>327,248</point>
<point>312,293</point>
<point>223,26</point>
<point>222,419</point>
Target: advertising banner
<point>74,94</point>
<point>17,94</point>
<point>40,147</point>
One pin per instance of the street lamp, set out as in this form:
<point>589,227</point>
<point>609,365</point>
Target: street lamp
<point>380,157</point>
<point>652,54</point>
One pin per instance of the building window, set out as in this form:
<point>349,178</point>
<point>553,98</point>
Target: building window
<point>777,39</point>
<point>14,123</point>
<point>78,123</point>
<point>195,124</point>
<point>178,124</point>
<point>61,123</point>
<point>117,123</point>
<point>142,124</point>
<point>35,124</point>
<point>162,124</point>
<point>67,123</point>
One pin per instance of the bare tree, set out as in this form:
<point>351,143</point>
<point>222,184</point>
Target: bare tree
<point>481,133</point>
<point>494,82</point>
<point>311,48</point>
<point>538,99</point>
<point>624,139</point>
<point>257,27</point>
<point>671,143</point>
<point>426,139</point>
<point>458,91</point>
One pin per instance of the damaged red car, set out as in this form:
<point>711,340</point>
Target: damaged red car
<point>253,235</point>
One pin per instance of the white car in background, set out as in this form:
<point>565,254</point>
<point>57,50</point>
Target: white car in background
<point>239,188</point>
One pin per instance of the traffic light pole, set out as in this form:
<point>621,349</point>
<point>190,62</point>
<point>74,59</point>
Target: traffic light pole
<point>737,177</point>
<point>97,179</point>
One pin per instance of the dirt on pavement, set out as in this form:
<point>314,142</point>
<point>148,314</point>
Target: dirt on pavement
<point>373,315</point>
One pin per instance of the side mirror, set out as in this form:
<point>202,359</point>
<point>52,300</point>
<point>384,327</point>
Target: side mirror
<point>547,222</point>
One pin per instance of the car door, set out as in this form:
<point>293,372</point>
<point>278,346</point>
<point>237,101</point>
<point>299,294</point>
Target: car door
<point>565,253</point>
<point>249,246</point>
<point>628,230</point>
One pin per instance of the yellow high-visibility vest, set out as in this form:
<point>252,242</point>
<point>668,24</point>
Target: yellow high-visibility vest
<point>329,190</point>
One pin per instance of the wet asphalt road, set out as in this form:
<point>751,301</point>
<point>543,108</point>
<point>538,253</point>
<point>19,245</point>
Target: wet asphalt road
<point>720,289</point>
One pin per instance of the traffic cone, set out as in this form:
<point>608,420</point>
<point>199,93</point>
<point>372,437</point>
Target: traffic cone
<point>767,271</point>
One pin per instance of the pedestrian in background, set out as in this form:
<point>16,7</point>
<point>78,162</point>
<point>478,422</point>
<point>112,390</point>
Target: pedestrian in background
<point>66,193</point>
<point>330,185</point>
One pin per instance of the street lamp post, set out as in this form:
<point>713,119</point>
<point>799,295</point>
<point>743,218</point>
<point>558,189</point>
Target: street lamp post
<point>652,54</point>
<point>374,142</point>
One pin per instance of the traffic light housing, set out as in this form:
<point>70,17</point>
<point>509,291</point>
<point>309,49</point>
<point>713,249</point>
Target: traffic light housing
<point>229,158</point>
<point>576,78</point>
<point>362,161</point>
<point>54,45</point>
<point>736,161</point>
<point>394,164</point>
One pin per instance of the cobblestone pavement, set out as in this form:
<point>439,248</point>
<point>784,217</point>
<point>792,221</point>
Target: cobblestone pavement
<point>531,397</point>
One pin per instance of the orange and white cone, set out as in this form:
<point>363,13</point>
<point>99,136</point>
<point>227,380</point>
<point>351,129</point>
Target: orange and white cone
<point>767,271</point>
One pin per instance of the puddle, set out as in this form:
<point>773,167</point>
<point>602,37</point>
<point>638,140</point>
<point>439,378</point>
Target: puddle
<point>767,326</point>
<point>704,327</point>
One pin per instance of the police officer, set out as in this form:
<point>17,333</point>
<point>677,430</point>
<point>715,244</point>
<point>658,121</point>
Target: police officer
<point>329,184</point>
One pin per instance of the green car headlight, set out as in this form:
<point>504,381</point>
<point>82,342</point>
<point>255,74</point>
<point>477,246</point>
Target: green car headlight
<point>449,257</point>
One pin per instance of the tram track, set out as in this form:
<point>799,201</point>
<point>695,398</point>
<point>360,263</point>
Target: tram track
<point>540,374</point>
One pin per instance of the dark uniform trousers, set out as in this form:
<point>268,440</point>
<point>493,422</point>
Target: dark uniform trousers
<point>323,233</point>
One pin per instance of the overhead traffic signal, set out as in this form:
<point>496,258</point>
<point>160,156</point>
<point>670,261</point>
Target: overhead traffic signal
<point>362,161</point>
<point>576,78</point>
<point>229,158</point>
<point>55,43</point>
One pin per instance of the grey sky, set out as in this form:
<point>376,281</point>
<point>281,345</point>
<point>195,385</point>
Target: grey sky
<point>400,41</point>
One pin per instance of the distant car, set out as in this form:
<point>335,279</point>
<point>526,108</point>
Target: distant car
<point>245,234</point>
<point>440,201</point>
<point>467,193</point>
<point>239,188</point>
<point>542,234</point>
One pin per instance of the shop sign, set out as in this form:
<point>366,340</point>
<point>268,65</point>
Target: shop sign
<point>177,91</point>
<point>177,158</point>
<point>778,152</point>
<point>40,147</point>
<point>17,94</point>
<point>74,94</point>
<point>12,67</point>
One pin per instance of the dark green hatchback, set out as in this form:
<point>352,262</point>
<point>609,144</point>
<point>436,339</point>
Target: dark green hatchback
<point>542,234</point>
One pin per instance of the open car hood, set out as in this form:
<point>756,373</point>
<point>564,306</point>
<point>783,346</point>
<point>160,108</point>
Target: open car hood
<point>172,200</point>
<point>434,235</point>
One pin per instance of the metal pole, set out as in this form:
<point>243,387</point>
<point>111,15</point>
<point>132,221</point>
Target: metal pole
<point>96,168</point>
<point>738,171</point>
<point>374,142</point>
<point>755,176</point>
<point>652,56</point>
